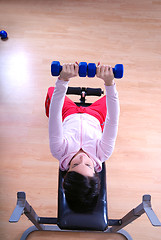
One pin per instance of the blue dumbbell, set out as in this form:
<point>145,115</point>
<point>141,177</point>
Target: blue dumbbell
<point>85,69</point>
<point>118,70</point>
<point>3,35</point>
<point>56,68</point>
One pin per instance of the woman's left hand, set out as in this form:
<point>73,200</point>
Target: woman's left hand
<point>105,72</point>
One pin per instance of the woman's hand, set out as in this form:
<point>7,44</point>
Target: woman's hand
<point>69,70</point>
<point>105,72</point>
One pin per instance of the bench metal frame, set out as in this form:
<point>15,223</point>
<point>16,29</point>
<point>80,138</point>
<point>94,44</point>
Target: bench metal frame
<point>39,223</point>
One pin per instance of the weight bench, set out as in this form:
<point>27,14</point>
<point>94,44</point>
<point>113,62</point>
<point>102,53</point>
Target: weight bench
<point>67,220</point>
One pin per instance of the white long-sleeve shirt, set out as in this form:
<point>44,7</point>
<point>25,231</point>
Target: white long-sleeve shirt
<point>82,130</point>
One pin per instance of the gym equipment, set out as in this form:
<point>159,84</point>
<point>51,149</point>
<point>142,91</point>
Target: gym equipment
<point>3,35</point>
<point>83,92</point>
<point>84,69</point>
<point>67,220</point>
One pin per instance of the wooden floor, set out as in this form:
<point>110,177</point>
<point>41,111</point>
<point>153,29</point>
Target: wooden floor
<point>114,31</point>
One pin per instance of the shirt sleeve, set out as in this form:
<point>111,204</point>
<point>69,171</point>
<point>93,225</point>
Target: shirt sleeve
<point>56,139</point>
<point>108,139</point>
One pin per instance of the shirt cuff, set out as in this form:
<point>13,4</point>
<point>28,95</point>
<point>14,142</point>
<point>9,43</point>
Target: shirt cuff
<point>61,84</point>
<point>111,90</point>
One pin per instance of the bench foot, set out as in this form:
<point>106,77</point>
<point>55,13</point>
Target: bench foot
<point>28,231</point>
<point>57,229</point>
<point>125,234</point>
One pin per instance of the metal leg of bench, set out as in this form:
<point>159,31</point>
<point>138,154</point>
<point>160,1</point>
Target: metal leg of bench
<point>57,229</point>
<point>28,231</point>
<point>23,207</point>
<point>125,234</point>
<point>144,207</point>
<point>33,229</point>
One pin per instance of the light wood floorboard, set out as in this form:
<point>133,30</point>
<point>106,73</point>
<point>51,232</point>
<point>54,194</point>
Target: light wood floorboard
<point>113,31</point>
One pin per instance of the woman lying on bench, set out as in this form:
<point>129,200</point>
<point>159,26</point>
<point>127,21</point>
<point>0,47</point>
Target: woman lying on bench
<point>82,138</point>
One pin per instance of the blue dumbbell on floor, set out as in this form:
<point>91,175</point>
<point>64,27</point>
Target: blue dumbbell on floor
<point>86,70</point>
<point>3,35</point>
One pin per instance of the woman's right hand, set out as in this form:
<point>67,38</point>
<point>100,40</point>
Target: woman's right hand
<point>69,70</point>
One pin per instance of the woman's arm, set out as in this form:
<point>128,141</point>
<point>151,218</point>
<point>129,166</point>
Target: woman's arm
<point>109,135</point>
<point>56,139</point>
<point>55,117</point>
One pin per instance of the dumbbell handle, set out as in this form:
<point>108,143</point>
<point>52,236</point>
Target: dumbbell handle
<point>61,67</point>
<point>117,71</point>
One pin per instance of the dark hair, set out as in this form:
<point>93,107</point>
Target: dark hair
<point>81,192</point>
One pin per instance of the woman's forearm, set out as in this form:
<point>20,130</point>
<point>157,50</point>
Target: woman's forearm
<point>112,119</point>
<point>55,115</point>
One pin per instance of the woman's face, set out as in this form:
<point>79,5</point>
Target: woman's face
<point>82,164</point>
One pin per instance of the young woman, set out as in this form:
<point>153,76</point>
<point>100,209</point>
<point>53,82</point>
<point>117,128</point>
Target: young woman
<point>82,138</point>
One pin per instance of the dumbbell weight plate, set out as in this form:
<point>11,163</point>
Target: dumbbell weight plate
<point>91,69</point>
<point>118,71</point>
<point>56,68</point>
<point>82,69</point>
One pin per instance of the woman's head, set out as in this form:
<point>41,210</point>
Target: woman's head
<point>81,184</point>
<point>83,164</point>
